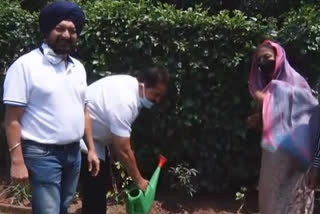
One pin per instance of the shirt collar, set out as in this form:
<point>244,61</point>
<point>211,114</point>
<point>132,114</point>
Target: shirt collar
<point>52,57</point>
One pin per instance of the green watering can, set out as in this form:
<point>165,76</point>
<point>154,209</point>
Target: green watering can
<point>140,202</point>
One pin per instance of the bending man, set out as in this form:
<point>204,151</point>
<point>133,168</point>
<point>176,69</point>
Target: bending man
<point>114,103</point>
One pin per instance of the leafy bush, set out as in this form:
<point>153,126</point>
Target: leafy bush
<point>301,36</point>
<point>121,183</point>
<point>253,7</point>
<point>183,176</point>
<point>19,32</point>
<point>241,195</point>
<point>202,120</point>
<point>204,54</point>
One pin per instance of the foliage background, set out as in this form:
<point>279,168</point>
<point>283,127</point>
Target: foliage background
<point>202,121</point>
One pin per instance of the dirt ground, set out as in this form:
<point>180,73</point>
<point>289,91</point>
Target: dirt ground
<point>170,204</point>
<point>160,207</point>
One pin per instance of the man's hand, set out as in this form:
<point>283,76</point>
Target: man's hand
<point>143,184</point>
<point>93,163</point>
<point>19,172</point>
<point>93,160</point>
<point>312,178</point>
<point>122,148</point>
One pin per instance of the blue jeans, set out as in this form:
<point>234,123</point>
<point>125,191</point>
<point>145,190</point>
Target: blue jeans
<point>54,173</point>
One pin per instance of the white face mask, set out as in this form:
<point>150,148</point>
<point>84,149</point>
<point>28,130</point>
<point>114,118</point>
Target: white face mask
<point>52,56</point>
<point>144,101</point>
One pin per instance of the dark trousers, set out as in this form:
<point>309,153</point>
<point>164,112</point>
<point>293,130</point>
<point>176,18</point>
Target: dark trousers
<point>94,189</point>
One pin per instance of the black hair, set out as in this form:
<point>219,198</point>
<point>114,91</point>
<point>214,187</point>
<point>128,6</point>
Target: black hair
<point>269,46</point>
<point>151,76</point>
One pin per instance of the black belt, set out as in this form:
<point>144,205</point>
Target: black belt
<point>54,146</point>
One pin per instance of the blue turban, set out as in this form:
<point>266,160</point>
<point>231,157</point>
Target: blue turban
<point>58,11</point>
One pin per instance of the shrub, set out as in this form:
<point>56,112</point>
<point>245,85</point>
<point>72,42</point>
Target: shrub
<point>19,32</point>
<point>183,176</point>
<point>202,121</point>
<point>300,34</point>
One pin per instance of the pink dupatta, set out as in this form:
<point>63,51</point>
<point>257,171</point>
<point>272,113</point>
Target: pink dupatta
<point>289,110</point>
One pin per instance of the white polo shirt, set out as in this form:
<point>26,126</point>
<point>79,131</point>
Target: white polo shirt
<point>114,104</point>
<point>53,96</point>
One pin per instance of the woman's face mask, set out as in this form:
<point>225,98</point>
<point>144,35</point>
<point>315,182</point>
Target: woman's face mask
<point>266,61</point>
<point>267,66</point>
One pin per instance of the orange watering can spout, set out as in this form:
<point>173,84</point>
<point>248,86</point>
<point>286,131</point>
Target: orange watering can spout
<point>140,202</point>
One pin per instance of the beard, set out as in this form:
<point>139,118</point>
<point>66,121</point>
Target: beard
<point>62,46</point>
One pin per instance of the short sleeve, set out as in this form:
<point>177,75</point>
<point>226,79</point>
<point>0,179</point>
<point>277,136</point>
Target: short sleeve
<point>121,119</point>
<point>86,99</point>
<point>16,87</point>
<point>86,95</point>
<point>83,75</point>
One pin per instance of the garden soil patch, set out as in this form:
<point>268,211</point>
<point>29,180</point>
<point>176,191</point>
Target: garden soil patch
<point>173,204</point>
<point>164,204</point>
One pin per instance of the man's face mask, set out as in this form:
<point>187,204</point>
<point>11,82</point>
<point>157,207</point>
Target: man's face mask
<point>267,66</point>
<point>144,101</point>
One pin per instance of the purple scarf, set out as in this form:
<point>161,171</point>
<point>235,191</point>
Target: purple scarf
<point>289,111</point>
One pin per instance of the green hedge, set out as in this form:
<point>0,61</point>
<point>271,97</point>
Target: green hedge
<point>18,32</point>
<point>301,36</point>
<point>203,119</point>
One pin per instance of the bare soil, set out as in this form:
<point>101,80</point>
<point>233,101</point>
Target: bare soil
<point>166,203</point>
<point>222,204</point>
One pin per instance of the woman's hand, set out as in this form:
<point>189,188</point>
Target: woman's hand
<point>259,96</point>
<point>254,121</point>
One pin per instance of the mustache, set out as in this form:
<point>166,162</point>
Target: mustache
<point>69,41</point>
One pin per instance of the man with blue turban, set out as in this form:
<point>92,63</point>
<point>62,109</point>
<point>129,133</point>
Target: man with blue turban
<point>46,113</point>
